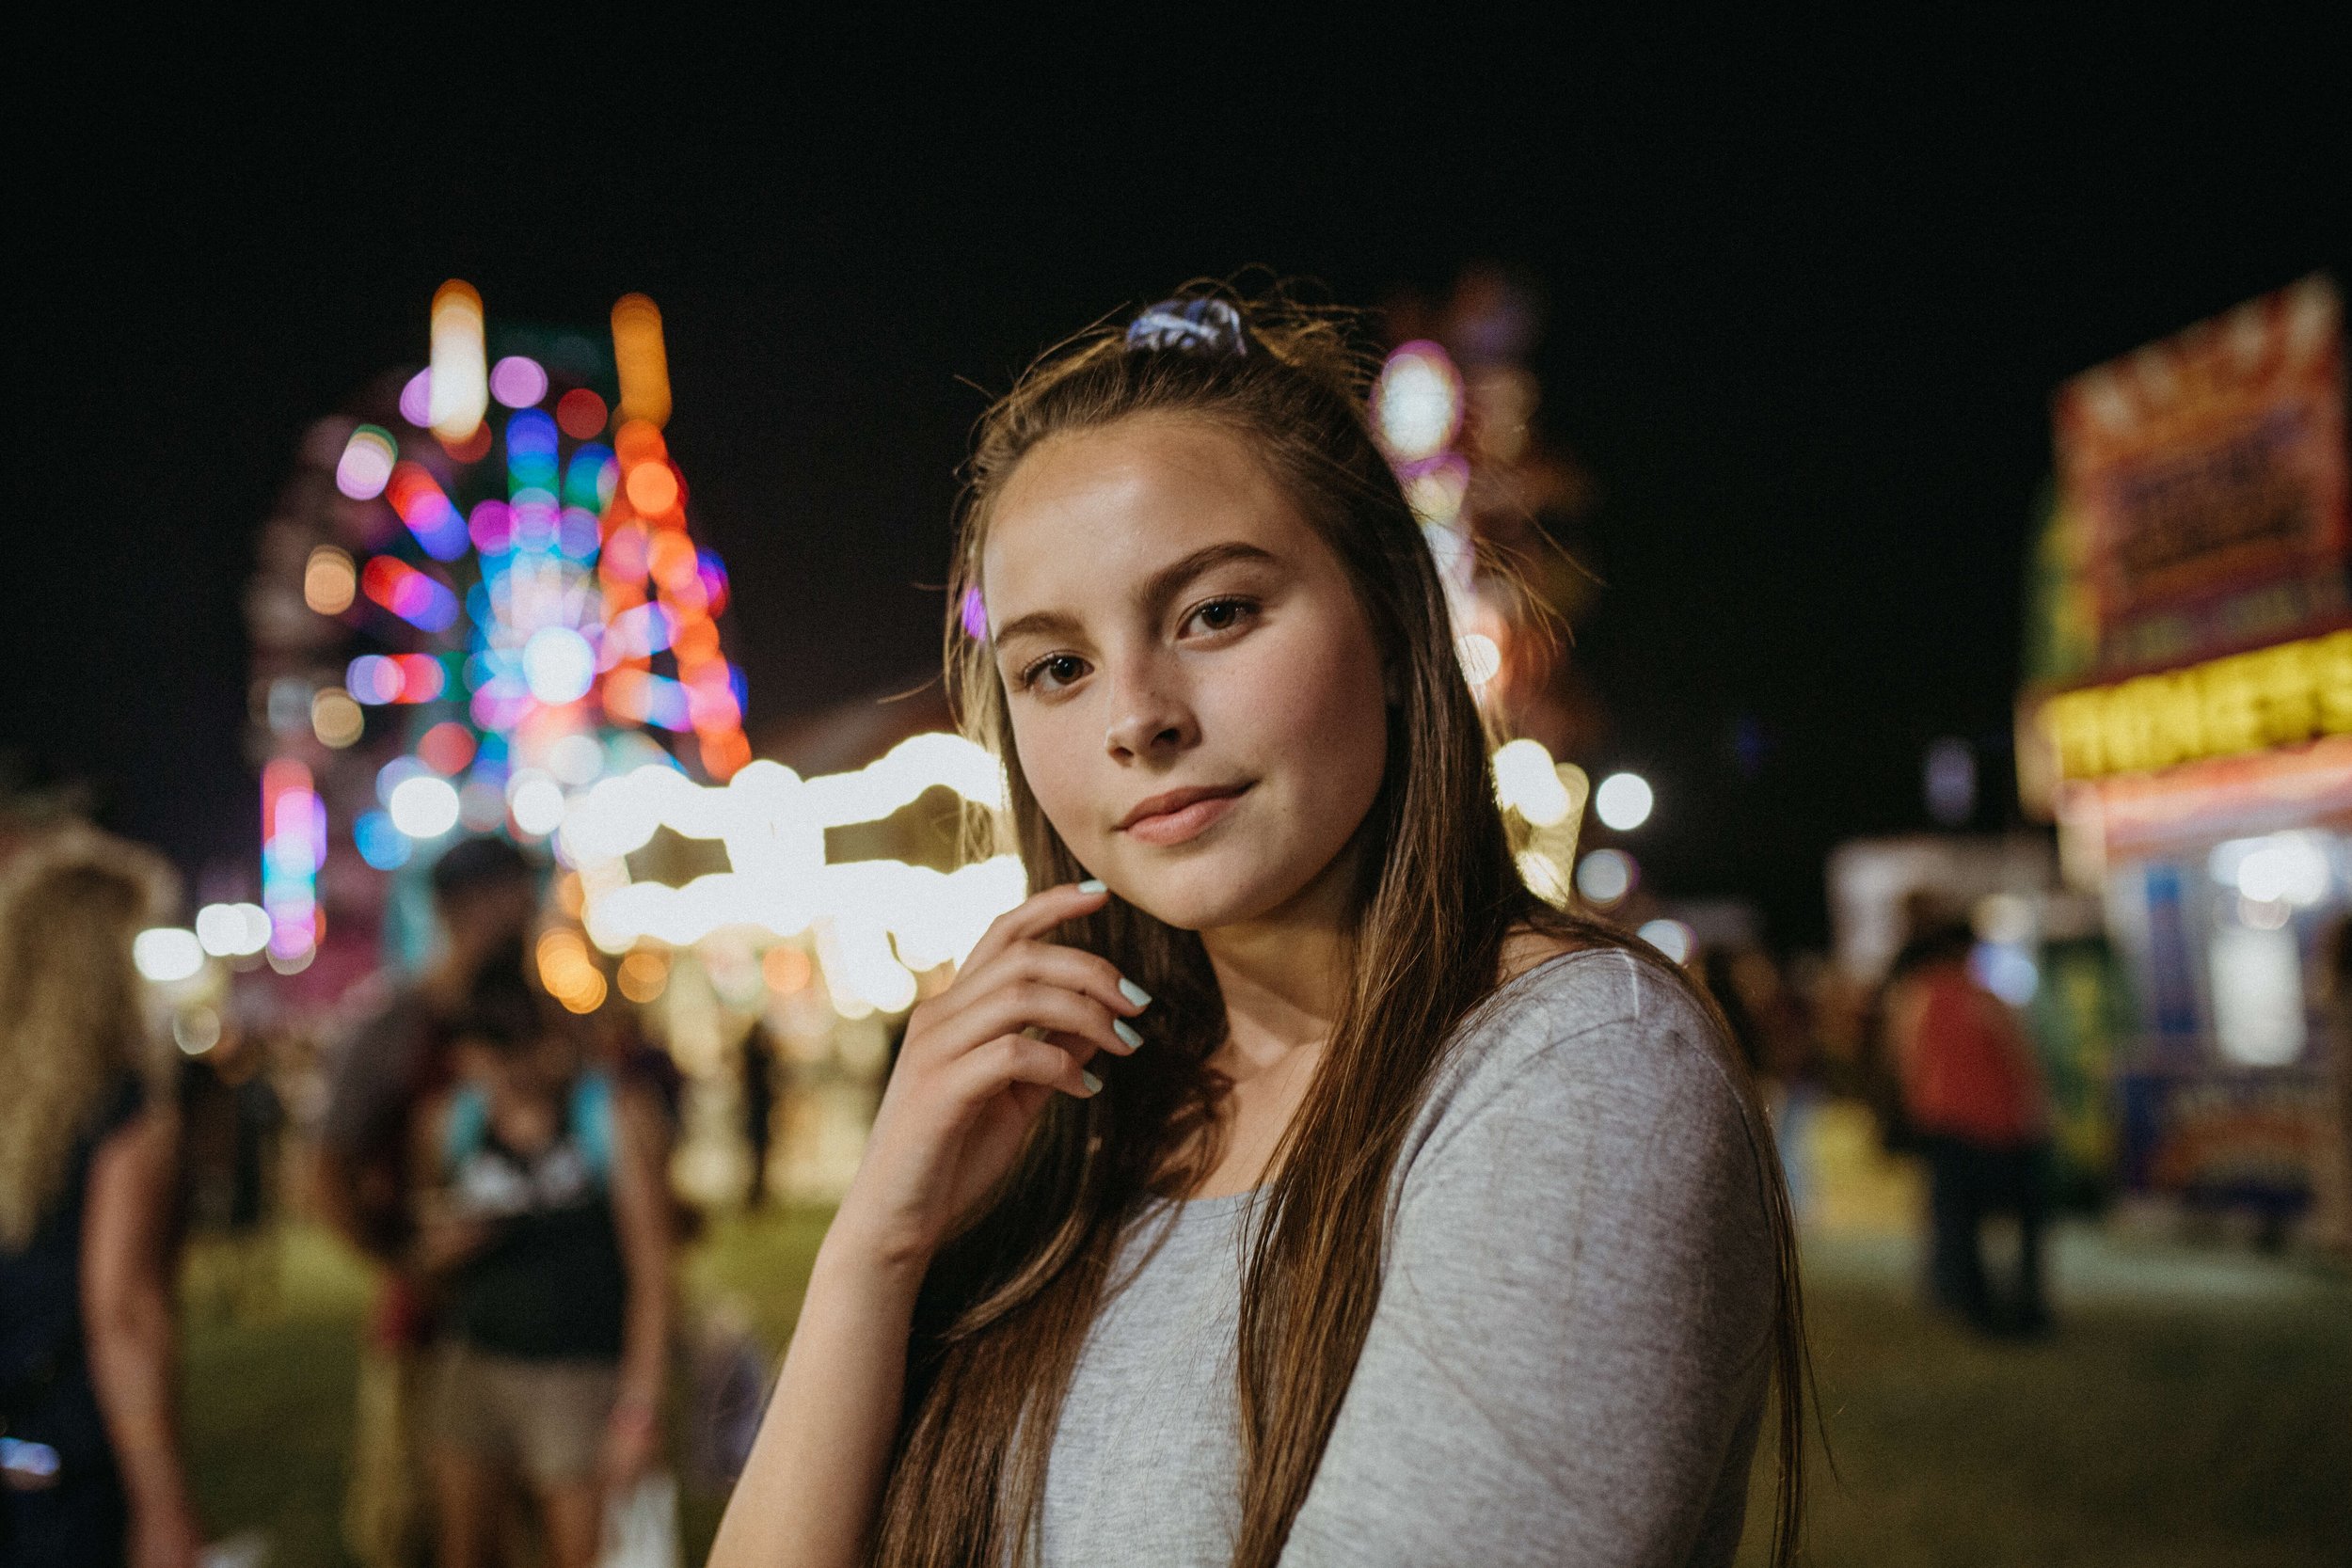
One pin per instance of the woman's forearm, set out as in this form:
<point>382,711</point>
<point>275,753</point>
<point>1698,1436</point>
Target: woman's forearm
<point>810,1494</point>
<point>131,1368</point>
<point>127,1311</point>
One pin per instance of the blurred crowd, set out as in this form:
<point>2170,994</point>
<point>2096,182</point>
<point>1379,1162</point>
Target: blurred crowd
<point>499,1163</point>
<point>502,1167</point>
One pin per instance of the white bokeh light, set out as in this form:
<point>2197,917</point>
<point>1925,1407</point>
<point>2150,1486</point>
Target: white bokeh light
<point>1482,660</point>
<point>1605,876</point>
<point>576,759</point>
<point>1624,800</point>
<point>166,953</point>
<point>423,806</point>
<point>537,802</point>
<point>558,665</point>
<point>1417,403</point>
<point>232,930</point>
<point>1670,937</point>
<point>1528,781</point>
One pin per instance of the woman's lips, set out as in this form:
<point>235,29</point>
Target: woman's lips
<point>1174,827</point>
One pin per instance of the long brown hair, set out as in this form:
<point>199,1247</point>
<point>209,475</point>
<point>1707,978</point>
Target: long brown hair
<point>1006,1308</point>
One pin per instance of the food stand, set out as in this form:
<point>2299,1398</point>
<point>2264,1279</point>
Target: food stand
<point>2188,723</point>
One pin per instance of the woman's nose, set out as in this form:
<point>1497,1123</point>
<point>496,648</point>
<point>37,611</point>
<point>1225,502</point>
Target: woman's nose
<point>1148,719</point>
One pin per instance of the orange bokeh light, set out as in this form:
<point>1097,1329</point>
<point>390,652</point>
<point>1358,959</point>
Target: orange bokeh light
<point>652,489</point>
<point>694,642</point>
<point>724,753</point>
<point>638,442</point>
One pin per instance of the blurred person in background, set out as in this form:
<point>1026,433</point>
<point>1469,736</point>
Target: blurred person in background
<point>759,1110</point>
<point>1974,1108</point>
<point>1769,1025</point>
<point>2331,1167</point>
<point>484,891</point>
<point>547,1231</point>
<point>87,1158</point>
<point>231,1118</point>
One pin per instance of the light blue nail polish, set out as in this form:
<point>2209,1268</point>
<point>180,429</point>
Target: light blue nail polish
<point>1093,885</point>
<point>1095,1085</point>
<point>1126,1031</point>
<point>1134,992</point>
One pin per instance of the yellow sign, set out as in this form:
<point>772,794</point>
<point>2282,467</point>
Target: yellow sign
<point>2278,696</point>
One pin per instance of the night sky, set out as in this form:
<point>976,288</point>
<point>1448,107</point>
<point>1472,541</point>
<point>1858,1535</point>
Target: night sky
<point>1806,299</point>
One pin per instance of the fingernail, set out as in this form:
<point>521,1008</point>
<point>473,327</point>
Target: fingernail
<point>1126,1031</point>
<point>1134,992</point>
<point>1093,885</point>
<point>1095,1085</point>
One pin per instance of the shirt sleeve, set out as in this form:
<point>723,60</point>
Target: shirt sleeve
<point>1567,1362</point>
<point>368,1078</point>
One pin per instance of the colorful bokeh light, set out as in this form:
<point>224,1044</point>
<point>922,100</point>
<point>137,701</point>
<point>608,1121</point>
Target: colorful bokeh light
<point>518,381</point>
<point>416,598</point>
<point>581,414</point>
<point>367,463</point>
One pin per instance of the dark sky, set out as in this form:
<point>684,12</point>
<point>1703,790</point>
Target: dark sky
<point>1807,297</point>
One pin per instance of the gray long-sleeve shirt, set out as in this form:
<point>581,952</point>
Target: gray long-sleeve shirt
<point>1568,1360</point>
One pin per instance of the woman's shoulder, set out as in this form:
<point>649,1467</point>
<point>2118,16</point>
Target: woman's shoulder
<point>1593,1033</point>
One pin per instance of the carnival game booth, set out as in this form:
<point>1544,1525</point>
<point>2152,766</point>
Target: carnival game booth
<point>2189,724</point>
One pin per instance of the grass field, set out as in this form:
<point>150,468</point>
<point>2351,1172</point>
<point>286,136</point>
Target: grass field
<point>2193,1410</point>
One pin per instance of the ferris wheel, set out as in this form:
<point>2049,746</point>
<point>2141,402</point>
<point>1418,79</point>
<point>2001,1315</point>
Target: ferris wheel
<point>479,594</point>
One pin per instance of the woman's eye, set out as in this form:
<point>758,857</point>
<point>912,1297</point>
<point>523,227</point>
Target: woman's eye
<point>1037,671</point>
<point>1222,614</point>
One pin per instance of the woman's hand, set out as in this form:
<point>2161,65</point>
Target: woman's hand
<point>970,1079</point>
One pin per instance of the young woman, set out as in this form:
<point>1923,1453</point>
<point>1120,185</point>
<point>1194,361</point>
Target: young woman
<point>549,1234</point>
<point>1284,1182</point>
<point>88,1163</point>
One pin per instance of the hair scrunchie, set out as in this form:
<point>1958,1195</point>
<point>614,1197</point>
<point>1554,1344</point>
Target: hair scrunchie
<point>1204,325</point>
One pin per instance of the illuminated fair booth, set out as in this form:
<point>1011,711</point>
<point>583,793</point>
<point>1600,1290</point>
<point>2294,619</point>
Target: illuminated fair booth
<point>2188,725</point>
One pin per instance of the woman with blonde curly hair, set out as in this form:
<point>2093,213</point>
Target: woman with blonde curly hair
<point>87,1158</point>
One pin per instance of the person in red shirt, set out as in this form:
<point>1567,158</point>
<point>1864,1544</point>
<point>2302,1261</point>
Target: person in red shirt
<point>1972,1095</point>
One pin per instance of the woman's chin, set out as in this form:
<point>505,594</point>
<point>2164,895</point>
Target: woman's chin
<point>1203,895</point>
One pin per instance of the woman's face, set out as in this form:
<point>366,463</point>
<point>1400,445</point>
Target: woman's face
<point>1164,621</point>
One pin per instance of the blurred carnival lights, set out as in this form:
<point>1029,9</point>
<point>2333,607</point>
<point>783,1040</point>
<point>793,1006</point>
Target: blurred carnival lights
<point>423,806</point>
<point>335,718</point>
<point>1670,937</point>
<point>293,848</point>
<point>642,360</point>
<point>1548,797</point>
<point>1417,401</point>
<point>165,954</point>
<point>517,381</point>
<point>367,463</point>
<point>520,601</point>
<point>875,923</point>
<point>1605,877</point>
<point>329,582</point>
<point>457,391</point>
<point>1623,801</point>
<point>232,930</point>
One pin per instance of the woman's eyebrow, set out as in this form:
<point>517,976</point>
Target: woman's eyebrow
<point>1153,596</point>
<point>1170,580</point>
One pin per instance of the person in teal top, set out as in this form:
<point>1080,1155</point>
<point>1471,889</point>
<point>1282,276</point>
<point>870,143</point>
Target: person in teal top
<point>546,1232</point>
